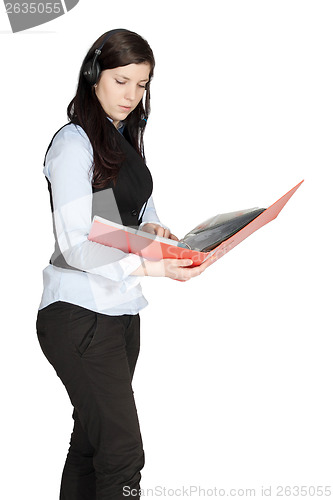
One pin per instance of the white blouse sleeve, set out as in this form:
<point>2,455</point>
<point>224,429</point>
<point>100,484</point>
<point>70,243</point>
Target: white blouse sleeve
<point>150,215</point>
<point>68,168</point>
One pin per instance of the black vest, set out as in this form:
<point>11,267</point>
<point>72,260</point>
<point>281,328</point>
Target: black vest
<point>120,202</point>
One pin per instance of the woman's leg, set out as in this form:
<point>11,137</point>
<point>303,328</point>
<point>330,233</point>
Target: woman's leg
<point>78,477</point>
<point>95,356</point>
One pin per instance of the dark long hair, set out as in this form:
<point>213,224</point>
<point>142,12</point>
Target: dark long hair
<point>122,48</point>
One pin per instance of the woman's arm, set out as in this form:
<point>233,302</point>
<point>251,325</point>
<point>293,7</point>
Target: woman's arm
<point>176,269</point>
<point>152,224</point>
<point>150,215</point>
<point>67,166</point>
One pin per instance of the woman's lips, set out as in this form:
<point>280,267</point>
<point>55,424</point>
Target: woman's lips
<point>125,108</point>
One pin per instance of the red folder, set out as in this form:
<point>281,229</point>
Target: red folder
<point>154,247</point>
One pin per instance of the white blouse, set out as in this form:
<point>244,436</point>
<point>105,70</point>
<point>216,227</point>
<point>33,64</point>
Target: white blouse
<point>106,285</point>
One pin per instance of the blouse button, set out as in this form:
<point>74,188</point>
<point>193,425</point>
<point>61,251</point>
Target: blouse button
<point>134,212</point>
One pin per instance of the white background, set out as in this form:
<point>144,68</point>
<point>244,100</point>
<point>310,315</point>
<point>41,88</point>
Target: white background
<point>234,381</point>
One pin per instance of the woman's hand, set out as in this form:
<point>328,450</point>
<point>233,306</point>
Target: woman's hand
<point>176,269</point>
<point>159,231</point>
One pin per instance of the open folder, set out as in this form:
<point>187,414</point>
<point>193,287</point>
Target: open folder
<point>217,235</point>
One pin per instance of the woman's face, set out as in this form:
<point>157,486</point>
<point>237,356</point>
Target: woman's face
<point>119,90</point>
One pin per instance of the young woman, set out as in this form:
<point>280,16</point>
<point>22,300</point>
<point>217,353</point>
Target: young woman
<point>88,322</point>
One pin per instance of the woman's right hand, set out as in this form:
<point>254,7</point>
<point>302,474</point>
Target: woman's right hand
<point>177,269</point>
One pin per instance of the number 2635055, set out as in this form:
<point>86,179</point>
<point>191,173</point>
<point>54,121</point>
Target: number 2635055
<point>34,8</point>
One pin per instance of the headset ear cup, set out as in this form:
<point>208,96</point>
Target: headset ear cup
<point>87,72</point>
<point>91,71</point>
<point>97,72</point>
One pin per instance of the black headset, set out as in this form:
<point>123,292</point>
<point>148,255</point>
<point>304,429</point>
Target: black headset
<point>92,69</point>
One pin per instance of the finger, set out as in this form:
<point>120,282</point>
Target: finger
<point>149,228</point>
<point>160,231</point>
<point>192,272</point>
<point>185,262</point>
<point>181,262</point>
<point>173,237</point>
<point>167,233</point>
<point>208,262</point>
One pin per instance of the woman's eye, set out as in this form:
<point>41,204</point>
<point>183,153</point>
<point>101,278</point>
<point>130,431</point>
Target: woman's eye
<point>123,83</point>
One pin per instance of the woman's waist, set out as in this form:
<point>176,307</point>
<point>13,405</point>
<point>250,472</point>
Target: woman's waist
<point>92,291</point>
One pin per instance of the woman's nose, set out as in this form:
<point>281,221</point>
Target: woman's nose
<point>130,93</point>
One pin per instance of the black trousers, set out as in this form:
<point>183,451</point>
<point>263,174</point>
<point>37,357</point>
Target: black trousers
<point>95,355</point>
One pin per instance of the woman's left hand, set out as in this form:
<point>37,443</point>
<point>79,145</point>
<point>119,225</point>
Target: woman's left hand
<point>159,231</point>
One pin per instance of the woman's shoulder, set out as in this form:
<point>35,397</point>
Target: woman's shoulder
<point>69,151</point>
<point>71,135</point>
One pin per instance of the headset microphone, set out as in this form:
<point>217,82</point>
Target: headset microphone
<point>143,123</point>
